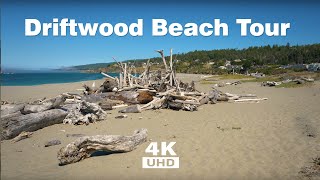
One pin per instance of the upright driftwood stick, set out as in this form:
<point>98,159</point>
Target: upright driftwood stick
<point>125,75</point>
<point>120,81</point>
<point>163,59</point>
<point>119,63</point>
<point>171,72</point>
<point>83,147</point>
<point>171,59</point>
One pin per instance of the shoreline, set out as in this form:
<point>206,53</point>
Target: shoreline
<point>53,83</point>
<point>31,93</point>
<point>34,92</point>
<point>44,78</point>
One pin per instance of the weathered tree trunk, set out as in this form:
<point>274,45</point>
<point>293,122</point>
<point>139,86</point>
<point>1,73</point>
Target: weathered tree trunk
<point>83,147</point>
<point>130,97</point>
<point>32,122</point>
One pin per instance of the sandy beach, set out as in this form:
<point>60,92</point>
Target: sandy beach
<point>272,139</point>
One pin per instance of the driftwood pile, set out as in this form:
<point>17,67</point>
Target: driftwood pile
<point>150,90</point>
<point>153,90</point>
<point>301,80</point>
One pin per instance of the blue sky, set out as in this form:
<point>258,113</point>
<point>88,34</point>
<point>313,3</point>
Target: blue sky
<point>19,51</point>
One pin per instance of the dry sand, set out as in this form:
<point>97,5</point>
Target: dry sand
<point>274,141</point>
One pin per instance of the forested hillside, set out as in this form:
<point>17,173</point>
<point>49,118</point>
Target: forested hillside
<point>209,61</point>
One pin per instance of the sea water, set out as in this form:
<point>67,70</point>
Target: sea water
<point>38,78</point>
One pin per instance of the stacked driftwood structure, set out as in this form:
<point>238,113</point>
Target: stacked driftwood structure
<point>150,90</point>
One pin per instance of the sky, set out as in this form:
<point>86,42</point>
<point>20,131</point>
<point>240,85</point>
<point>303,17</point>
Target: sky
<point>20,51</point>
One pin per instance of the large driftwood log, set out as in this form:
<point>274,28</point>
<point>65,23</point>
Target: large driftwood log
<point>83,147</point>
<point>32,122</point>
<point>45,105</point>
<point>129,97</point>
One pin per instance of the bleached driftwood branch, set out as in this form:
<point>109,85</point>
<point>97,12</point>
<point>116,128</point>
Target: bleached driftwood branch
<point>250,100</point>
<point>83,147</point>
<point>163,59</point>
<point>107,75</point>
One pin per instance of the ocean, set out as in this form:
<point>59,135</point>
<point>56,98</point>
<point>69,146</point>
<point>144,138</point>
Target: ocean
<point>38,78</point>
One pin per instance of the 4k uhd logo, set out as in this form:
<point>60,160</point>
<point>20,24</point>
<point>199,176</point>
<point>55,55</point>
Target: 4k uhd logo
<point>167,158</point>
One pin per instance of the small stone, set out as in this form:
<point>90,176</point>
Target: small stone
<point>52,143</point>
<point>121,116</point>
<point>75,135</point>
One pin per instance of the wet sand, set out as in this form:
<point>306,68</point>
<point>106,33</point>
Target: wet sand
<point>277,137</point>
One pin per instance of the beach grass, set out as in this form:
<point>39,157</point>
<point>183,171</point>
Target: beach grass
<point>215,79</point>
<point>233,76</point>
<point>208,82</point>
<point>263,79</point>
